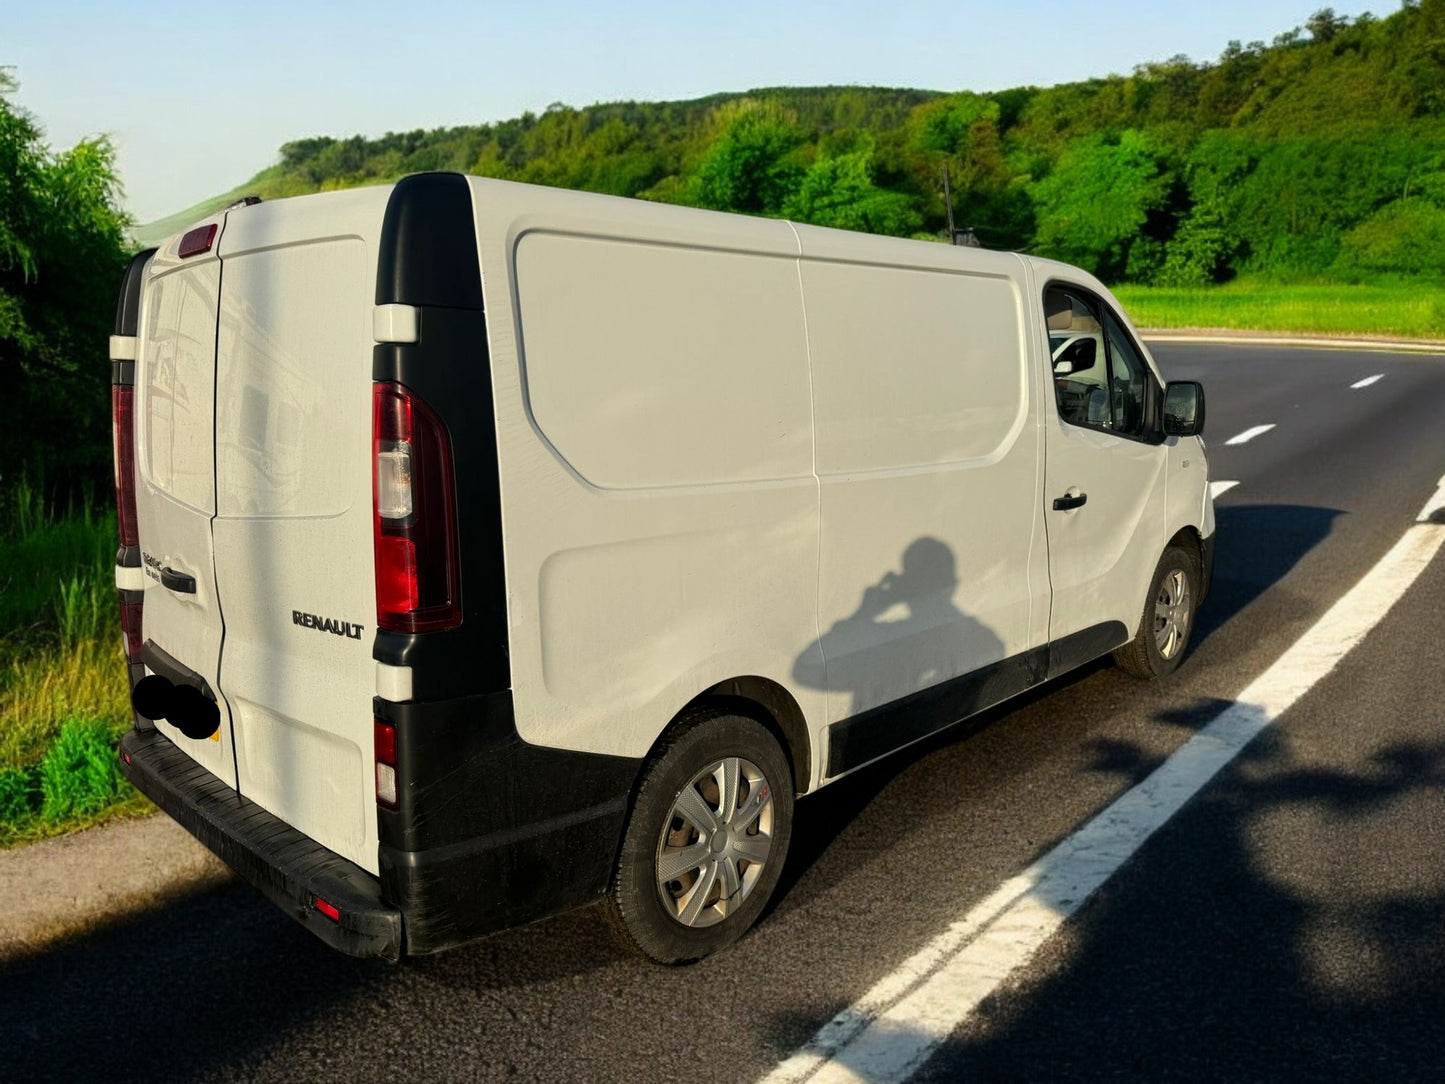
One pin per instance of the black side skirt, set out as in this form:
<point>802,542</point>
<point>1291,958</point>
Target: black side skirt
<point>855,742</point>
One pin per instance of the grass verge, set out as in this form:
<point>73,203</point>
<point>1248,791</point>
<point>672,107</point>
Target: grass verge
<point>63,691</point>
<point>1408,310</point>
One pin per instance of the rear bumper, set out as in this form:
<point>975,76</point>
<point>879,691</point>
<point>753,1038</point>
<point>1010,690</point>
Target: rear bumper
<point>289,868</point>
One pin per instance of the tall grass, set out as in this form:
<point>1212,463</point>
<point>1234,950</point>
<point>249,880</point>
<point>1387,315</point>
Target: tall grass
<point>63,690</point>
<point>1399,309</point>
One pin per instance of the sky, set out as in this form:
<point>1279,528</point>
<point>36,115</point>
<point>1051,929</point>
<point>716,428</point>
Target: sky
<point>198,96</point>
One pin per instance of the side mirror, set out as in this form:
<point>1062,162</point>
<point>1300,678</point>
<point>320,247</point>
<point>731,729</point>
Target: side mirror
<point>1075,356</point>
<point>1183,409</point>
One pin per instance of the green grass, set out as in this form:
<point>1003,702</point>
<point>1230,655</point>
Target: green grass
<point>63,690</point>
<point>1412,310</point>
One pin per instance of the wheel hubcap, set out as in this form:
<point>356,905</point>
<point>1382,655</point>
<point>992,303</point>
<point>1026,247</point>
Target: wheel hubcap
<point>715,843</point>
<point>1171,613</point>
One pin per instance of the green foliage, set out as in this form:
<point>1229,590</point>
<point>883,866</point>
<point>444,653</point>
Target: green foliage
<point>1406,236</point>
<point>1093,208</point>
<point>62,251</point>
<point>750,167</point>
<point>840,192</point>
<point>79,774</point>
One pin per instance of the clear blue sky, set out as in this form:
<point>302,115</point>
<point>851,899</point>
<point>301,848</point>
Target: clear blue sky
<point>198,96</point>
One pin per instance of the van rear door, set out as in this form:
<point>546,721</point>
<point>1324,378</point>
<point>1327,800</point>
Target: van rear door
<point>293,529</point>
<point>175,469</point>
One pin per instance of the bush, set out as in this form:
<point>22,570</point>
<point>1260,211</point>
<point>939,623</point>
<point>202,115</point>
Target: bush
<point>79,774</point>
<point>19,794</point>
<point>1404,237</point>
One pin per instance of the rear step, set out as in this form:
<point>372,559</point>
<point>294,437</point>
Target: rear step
<point>336,900</point>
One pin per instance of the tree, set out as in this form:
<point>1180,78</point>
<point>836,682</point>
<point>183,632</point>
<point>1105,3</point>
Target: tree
<point>749,168</point>
<point>62,251</point>
<point>840,192</point>
<point>1093,207</point>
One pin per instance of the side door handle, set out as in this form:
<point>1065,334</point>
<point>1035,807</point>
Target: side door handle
<point>182,584</point>
<point>1063,504</point>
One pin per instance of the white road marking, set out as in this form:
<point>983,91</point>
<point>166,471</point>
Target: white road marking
<point>1434,506</point>
<point>1368,381</point>
<point>1250,434</point>
<point>1218,488</point>
<point>892,1029</point>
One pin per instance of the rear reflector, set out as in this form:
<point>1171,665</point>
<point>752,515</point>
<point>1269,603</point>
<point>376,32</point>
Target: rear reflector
<point>326,909</point>
<point>197,241</point>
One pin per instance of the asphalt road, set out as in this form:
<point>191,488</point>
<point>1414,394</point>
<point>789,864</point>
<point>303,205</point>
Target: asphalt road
<point>1289,923</point>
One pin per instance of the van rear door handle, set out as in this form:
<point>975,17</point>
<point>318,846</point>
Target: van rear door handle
<point>1063,504</point>
<point>182,584</point>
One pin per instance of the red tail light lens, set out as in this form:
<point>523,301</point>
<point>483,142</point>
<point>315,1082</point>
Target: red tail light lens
<point>414,510</point>
<point>130,627</point>
<point>122,408</point>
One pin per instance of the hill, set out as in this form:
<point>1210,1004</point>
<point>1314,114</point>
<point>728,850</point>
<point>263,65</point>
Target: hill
<point>1320,154</point>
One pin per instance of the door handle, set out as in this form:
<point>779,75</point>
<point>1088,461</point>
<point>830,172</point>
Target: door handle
<point>182,584</point>
<point>1063,504</point>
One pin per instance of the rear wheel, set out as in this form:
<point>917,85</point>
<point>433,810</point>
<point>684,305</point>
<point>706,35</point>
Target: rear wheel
<point>1168,617</point>
<point>706,840</point>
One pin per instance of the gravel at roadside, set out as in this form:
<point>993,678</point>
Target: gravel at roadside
<point>60,887</point>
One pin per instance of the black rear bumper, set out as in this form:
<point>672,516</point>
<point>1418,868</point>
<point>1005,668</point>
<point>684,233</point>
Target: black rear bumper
<point>289,868</point>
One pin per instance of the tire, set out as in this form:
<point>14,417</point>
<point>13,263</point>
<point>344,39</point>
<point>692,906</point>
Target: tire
<point>1168,618</point>
<point>724,860</point>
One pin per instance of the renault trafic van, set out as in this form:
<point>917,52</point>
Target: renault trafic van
<point>488,550</point>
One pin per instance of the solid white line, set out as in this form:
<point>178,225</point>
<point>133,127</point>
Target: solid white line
<point>1434,507</point>
<point>1250,434</point>
<point>1218,488</point>
<point>1368,381</point>
<point>892,1029</point>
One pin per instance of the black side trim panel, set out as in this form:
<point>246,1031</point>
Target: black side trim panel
<point>290,869</point>
<point>429,259</point>
<point>127,306</point>
<point>1206,567</point>
<point>1086,645</point>
<point>428,251</point>
<point>491,831</point>
<point>866,737</point>
<point>173,671</point>
<point>855,742</point>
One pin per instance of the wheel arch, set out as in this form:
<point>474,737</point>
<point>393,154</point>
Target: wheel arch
<point>771,705</point>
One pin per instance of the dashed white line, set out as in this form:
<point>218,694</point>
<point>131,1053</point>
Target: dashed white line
<point>1250,434</point>
<point>1217,488</point>
<point>893,1029</point>
<point>1368,381</point>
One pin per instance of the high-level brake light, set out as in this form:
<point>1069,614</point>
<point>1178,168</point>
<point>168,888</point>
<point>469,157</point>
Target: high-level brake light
<point>197,241</point>
<point>414,509</point>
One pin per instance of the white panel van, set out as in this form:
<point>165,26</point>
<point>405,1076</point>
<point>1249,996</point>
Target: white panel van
<point>488,550</point>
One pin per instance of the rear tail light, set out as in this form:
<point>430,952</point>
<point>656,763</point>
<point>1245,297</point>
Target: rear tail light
<point>414,507</point>
<point>122,407</point>
<point>197,241</point>
<point>385,741</point>
<point>130,627</point>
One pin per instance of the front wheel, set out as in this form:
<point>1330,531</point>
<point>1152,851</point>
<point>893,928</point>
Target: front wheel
<point>706,840</point>
<point>1168,617</point>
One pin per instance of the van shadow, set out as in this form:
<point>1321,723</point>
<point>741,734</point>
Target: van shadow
<point>218,980</point>
<point>1220,953</point>
<point>1258,545</point>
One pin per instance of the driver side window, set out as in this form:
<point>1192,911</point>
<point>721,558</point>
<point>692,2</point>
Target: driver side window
<point>1100,379</point>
